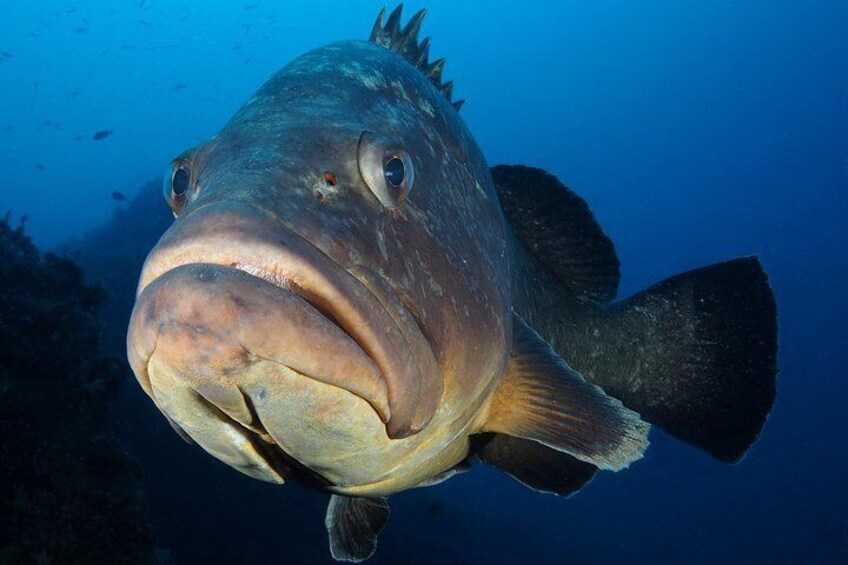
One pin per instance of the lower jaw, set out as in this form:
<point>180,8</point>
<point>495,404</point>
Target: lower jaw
<point>212,429</point>
<point>413,475</point>
<point>313,432</point>
<point>276,458</point>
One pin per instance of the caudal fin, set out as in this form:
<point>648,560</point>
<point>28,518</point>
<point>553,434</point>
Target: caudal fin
<point>701,349</point>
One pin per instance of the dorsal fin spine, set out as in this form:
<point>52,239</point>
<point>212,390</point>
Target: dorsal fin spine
<point>433,71</point>
<point>378,26</point>
<point>410,32</point>
<point>423,52</point>
<point>404,42</point>
<point>393,23</point>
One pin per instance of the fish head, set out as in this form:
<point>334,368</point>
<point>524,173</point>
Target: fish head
<point>335,286</point>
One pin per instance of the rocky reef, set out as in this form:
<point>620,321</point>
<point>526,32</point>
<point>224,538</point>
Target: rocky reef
<point>68,491</point>
<point>112,254</point>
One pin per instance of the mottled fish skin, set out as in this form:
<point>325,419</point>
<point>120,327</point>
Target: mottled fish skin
<point>443,253</point>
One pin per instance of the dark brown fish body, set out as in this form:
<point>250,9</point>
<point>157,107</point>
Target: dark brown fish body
<point>348,297</point>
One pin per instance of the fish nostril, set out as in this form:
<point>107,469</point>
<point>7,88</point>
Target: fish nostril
<point>325,187</point>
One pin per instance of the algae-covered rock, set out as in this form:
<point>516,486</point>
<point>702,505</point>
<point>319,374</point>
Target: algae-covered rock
<point>112,254</point>
<point>68,491</point>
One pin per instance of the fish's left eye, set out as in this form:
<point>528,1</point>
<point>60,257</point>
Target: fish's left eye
<point>386,168</point>
<point>394,171</point>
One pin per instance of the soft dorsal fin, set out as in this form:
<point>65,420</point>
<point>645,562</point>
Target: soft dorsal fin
<point>542,399</point>
<point>558,227</point>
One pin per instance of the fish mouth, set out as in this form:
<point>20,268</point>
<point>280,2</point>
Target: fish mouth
<point>229,284</point>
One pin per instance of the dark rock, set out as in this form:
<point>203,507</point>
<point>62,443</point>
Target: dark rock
<point>68,491</point>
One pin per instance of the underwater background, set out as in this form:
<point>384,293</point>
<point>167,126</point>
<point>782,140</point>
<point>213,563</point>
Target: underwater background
<point>697,132</point>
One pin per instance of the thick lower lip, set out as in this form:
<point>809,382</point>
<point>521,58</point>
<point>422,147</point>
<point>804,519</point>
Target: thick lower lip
<point>240,238</point>
<point>209,322</point>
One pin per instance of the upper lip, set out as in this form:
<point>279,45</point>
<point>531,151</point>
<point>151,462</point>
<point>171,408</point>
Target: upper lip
<point>243,237</point>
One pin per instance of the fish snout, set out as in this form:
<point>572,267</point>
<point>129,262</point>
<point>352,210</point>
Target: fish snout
<point>209,342</point>
<point>294,305</point>
<point>210,323</point>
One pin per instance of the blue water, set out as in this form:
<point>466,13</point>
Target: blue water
<point>696,133</point>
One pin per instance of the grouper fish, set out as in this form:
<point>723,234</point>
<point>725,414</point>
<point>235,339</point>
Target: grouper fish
<point>350,297</point>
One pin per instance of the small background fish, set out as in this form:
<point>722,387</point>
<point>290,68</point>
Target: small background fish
<point>102,134</point>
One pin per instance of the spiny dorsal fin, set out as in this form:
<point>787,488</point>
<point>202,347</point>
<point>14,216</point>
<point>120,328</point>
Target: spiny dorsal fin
<point>557,226</point>
<point>404,41</point>
<point>542,399</point>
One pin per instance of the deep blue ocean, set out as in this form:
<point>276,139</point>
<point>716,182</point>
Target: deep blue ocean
<point>697,132</point>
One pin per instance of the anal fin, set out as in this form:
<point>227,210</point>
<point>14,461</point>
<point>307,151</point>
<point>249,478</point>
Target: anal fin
<point>533,464</point>
<point>542,399</point>
<point>353,525</point>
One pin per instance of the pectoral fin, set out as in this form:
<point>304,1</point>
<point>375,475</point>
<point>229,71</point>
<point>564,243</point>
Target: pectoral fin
<point>353,525</point>
<point>542,399</point>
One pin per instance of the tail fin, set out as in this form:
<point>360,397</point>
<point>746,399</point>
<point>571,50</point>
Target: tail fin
<point>700,354</point>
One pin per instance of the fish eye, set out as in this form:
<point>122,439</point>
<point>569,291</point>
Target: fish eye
<point>179,182</point>
<point>394,172</point>
<point>386,168</point>
<point>176,186</point>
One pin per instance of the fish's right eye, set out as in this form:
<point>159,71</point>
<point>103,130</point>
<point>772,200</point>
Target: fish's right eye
<point>179,182</point>
<point>176,186</point>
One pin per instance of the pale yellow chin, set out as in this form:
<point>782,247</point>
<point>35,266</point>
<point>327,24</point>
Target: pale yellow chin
<point>325,428</point>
